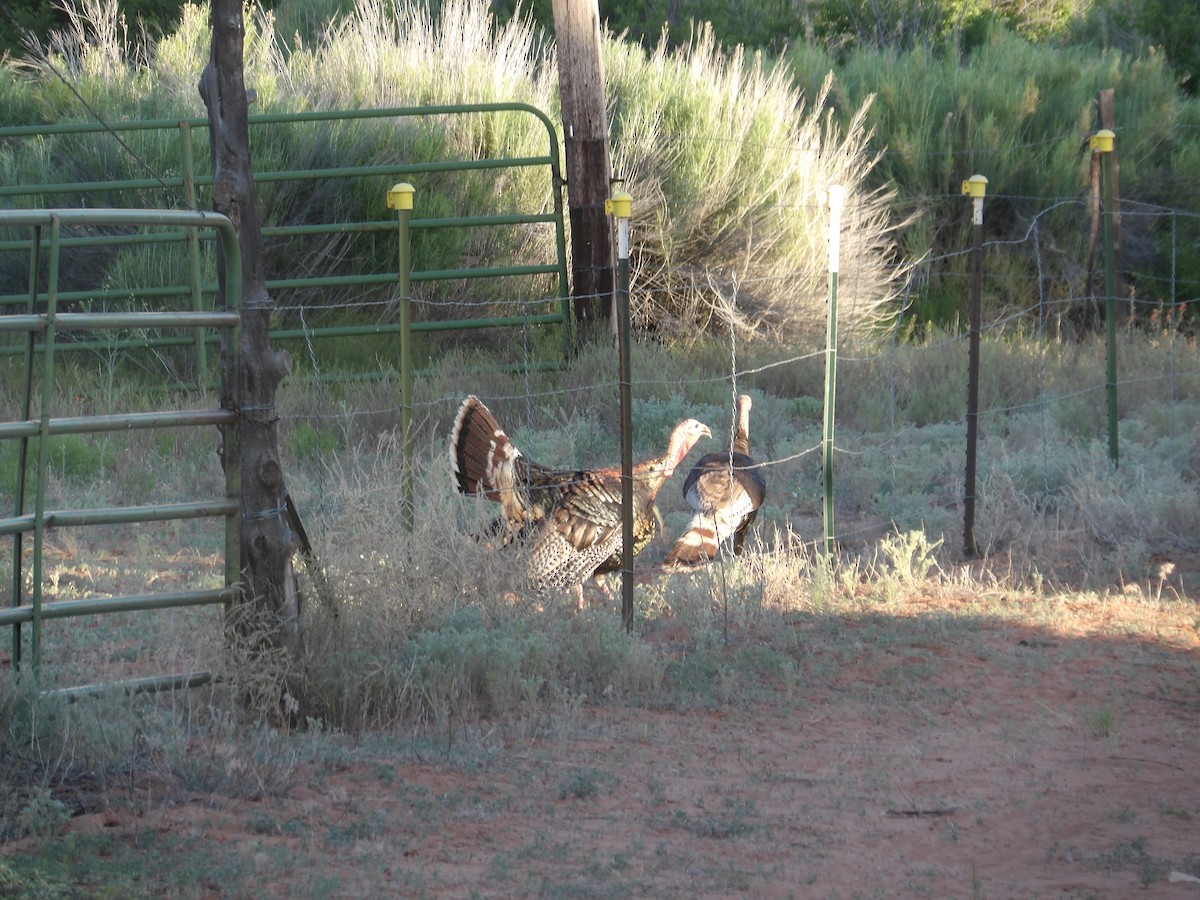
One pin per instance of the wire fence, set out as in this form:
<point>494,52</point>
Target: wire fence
<point>901,410</point>
<point>902,393</point>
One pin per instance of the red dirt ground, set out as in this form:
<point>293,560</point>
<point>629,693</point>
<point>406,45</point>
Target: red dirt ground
<point>987,759</point>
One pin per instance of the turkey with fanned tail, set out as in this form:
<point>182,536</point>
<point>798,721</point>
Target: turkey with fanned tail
<point>572,518</point>
<point>725,491</point>
<point>487,463</point>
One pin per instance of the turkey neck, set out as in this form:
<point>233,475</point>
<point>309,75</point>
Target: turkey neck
<point>741,440</point>
<point>677,449</point>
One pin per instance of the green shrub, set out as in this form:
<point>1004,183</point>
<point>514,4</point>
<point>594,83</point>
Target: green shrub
<point>1018,113</point>
<point>729,165</point>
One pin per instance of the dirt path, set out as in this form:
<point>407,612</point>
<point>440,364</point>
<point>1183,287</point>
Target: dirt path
<point>901,758</point>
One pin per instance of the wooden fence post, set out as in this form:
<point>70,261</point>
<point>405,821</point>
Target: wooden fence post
<point>588,166</point>
<point>268,543</point>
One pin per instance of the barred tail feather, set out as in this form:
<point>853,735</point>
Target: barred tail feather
<point>478,449</point>
<point>698,544</point>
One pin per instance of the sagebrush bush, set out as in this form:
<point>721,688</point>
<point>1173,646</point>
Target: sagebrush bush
<point>729,166</point>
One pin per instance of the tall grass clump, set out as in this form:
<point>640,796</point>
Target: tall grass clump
<point>729,165</point>
<point>428,627</point>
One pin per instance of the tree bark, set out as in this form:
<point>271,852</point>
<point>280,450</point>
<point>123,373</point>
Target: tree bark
<point>1090,313</point>
<point>588,165</point>
<point>270,604</point>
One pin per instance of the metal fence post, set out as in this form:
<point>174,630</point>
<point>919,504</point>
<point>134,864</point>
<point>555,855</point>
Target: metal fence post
<point>18,582</point>
<point>836,199</point>
<point>974,187</point>
<point>43,452</point>
<point>400,198</point>
<point>620,206</point>
<point>1102,143</point>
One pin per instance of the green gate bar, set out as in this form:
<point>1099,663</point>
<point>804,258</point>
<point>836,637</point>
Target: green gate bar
<point>49,325</point>
<point>186,182</point>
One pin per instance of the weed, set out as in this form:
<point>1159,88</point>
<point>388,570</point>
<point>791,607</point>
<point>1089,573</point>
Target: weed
<point>263,824</point>
<point>346,833</point>
<point>33,884</point>
<point>1135,855</point>
<point>910,556</point>
<point>43,815</point>
<point>977,891</point>
<point>1102,721</point>
<point>581,784</point>
<point>731,822</point>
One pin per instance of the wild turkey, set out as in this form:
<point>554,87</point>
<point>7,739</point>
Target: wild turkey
<point>582,534</point>
<point>486,462</point>
<point>725,491</point>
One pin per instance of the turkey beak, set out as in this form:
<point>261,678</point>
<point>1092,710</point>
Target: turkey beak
<point>704,430</point>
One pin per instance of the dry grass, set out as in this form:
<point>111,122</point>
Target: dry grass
<point>429,644</point>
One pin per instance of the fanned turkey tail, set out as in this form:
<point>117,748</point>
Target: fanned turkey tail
<point>487,463</point>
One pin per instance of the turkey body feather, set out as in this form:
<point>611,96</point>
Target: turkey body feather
<point>572,518</point>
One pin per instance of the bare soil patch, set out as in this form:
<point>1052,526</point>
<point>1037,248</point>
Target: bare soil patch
<point>1044,751</point>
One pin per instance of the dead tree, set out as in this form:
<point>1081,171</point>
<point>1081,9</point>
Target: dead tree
<point>269,594</point>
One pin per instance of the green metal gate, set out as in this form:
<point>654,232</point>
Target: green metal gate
<point>44,322</point>
<point>174,316</point>
<point>180,174</point>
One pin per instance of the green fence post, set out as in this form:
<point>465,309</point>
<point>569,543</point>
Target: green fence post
<point>620,206</point>
<point>836,197</point>
<point>400,198</point>
<point>1102,143</point>
<point>43,455</point>
<point>35,265</point>
<point>975,187</point>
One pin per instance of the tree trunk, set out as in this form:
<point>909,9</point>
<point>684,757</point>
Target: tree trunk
<point>270,604</point>
<point>588,166</point>
<point>1088,315</point>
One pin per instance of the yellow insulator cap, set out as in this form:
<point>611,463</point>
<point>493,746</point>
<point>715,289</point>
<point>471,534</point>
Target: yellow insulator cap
<point>1102,141</point>
<point>975,186</point>
<point>401,196</point>
<point>619,205</point>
